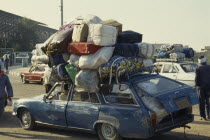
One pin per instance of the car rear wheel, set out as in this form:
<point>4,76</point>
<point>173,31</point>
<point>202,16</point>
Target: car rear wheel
<point>24,81</point>
<point>27,121</point>
<point>107,132</point>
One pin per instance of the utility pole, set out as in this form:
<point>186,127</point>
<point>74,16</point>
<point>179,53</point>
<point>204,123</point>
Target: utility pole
<point>61,12</point>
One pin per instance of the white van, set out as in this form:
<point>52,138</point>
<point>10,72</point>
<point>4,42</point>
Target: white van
<point>180,71</point>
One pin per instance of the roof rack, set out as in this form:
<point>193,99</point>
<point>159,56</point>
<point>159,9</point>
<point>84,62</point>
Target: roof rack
<point>173,59</point>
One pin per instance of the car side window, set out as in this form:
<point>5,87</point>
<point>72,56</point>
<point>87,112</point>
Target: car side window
<point>115,95</point>
<point>54,95</point>
<point>173,70</point>
<point>85,97</point>
<point>159,67</point>
<point>166,68</point>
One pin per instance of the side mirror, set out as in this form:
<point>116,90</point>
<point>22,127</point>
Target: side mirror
<point>44,98</point>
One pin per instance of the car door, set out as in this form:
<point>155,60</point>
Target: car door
<point>53,111</point>
<point>82,111</point>
<point>169,71</point>
<point>36,74</point>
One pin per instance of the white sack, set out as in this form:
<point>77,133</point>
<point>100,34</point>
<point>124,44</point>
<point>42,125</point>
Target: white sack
<point>74,60</point>
<point>89,19</point>
<point>42,58</point>
<point>66,56</point>
<point>164,47</point>
<point>146,50</point>
<point>47,74</point>
<point>93,61</point>
<point>147,62</point>
<point>102,35</point>
<point>175,48</point>
<point>87,80</point>
<point>156,106</point>
<point>177,55</point>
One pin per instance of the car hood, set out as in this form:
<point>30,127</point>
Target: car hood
<point>35,98</point>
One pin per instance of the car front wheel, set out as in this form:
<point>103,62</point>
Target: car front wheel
<point>108,132</point>
<point>24,81</point>
<point>26,120</point>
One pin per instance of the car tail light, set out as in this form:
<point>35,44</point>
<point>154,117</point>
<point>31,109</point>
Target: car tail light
<point>189,110</point>
<point>153,118</point>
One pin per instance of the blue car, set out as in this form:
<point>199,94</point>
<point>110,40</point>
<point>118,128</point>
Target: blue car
<point>140,107</point>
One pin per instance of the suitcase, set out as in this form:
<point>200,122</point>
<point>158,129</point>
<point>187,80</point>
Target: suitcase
<point>82,48</point>
<point>129,37</point>
<point>113,23</point>
<point>72,72</point>
<point>189,52</point>
<point>80,33</point>
<point>126,49</point>
<point>146,50</point>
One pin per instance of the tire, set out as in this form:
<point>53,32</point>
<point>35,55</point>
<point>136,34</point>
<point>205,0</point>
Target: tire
<point>24,81</point>
<point>26,119</point>
<point>107,132</point>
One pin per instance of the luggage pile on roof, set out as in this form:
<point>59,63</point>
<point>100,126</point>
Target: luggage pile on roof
<point>175,51</point>
<point>88,51</point>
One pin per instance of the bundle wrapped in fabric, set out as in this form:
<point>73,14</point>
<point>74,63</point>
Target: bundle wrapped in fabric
<point>87,80</point>
<point>163,54</point>
<point>177,55</point>
<point>189,52</point>
<point>146,50</point>
<point>59,42</point>
<point>102,35</point>
<point>59,73</point>
<point>126,49</point>
<point>42,58</point>
<point>95,60</point>
<point>175,48</point>
<point>55,60</point>
<point>156,106</point>
<point>164,47</point>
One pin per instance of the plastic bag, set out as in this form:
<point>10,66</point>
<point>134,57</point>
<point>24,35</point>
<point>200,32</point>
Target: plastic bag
<point>74,60</point>
<point>87,80</point>
<point>93,61</point>
<point>156,106</point>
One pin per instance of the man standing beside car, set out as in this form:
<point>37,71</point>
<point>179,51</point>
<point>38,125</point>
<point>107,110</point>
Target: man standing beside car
<point>203,84</point>
<point>6,91</point>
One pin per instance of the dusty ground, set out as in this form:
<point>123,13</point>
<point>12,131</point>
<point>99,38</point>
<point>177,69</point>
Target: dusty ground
<point>10,128</point>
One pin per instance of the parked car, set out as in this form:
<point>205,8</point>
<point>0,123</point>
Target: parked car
<point>35,74</point>
<point>115,111</point>
<point>180,71</point>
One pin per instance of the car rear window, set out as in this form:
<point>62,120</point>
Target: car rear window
<point>189,67</point>
<point>158,85</point>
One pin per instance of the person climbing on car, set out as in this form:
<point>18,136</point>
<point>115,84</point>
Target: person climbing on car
<point>203,85</point>
<point>6,91</point>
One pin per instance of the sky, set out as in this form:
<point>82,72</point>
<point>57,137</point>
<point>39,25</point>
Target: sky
<point>184,22</point>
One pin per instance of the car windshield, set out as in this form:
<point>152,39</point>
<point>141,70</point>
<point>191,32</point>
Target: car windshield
<point>189,67</point>
<point>158,85</point>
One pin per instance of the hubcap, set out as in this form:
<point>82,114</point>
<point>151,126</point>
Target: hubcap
<point>108,131</point>
<point>26,119</point>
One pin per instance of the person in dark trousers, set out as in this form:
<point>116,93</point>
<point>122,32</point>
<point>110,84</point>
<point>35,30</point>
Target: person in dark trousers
<point>6,91</point>
<point>6,62</point>
<point>202,81</point>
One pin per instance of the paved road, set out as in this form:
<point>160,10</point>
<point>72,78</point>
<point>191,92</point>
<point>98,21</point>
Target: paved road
<point>10,128</point>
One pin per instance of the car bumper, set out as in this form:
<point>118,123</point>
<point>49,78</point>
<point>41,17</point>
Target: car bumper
<point>180,122</point>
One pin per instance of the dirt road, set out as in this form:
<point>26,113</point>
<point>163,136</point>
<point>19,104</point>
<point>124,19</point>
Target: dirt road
<point>10,128</point>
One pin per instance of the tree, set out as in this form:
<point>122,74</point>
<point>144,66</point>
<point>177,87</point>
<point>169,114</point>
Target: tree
<point>25,37</point>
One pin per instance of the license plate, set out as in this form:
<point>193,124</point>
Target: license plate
<point>182,103</point>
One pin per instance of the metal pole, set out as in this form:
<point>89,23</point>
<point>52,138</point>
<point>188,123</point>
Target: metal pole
<point>61,12</point>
